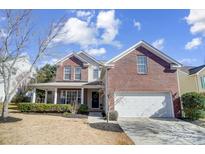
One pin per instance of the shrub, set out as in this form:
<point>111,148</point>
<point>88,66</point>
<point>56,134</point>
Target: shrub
<point>83,109</point>
<point>193,105</point>
<point>113,115</point>
<point>20,97</point>
<point>39,107</point>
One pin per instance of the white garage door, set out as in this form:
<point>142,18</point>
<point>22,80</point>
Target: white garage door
<point>144,104</point>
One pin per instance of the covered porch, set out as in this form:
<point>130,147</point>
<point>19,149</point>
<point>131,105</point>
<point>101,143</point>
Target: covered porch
<point>90,94</point>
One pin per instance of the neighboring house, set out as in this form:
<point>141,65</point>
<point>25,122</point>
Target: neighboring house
<point>191,79</point>
<point>139,82</point>
<point>21,67</point>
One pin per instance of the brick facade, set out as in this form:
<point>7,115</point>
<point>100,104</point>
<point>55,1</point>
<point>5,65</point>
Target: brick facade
<point>73,62</point>
<point>124,77</point>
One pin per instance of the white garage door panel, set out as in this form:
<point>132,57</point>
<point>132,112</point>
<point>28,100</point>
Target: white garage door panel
<point>143,104</point>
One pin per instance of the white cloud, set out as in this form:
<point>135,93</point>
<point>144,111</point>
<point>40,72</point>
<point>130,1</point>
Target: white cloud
<point>159,44</point>
<point>107,21</point>
<point>196,19</point>
<point>137,24</point>
<point>3,33</point>
<point>188,61</point>
<point>193,43</point>
<point>78,32</point>
<point>89,35</point>
<point>87,15</point>
<point>48,61</point>
<point>96,52</point>
<point>83,13</point>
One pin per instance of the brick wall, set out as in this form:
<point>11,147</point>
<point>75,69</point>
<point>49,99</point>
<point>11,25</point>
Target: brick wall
<point>73,62</point>
<point>124,77</point>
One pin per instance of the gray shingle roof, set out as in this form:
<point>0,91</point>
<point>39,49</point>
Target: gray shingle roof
<point>191,69</point>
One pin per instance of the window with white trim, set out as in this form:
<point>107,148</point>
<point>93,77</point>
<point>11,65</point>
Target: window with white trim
<point>141,64</point>
<point>70,96</point>
<point>67,73</point>
<point>95,73</point>
<point>77,73</point>
<point>203,82</point>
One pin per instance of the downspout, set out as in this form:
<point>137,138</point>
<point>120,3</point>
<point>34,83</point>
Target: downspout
<point>106,94</point>
<point>197,82</point>
<point>178,84</point>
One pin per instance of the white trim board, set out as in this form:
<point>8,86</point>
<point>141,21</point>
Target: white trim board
<point>70,55</point>
<point>150,48</point>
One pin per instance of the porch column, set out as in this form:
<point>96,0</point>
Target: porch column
<point>34,96</point>
<point>82,95</point>
<point>46,96</point>
<point>55,96</point>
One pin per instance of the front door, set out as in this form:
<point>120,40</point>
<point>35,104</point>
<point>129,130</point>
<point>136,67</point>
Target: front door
<point>95,100</point>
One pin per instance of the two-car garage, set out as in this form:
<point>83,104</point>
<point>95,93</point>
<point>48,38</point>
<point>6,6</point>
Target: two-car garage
<point>141,104</point>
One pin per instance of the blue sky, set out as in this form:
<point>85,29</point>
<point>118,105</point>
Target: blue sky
<point>106,33</point>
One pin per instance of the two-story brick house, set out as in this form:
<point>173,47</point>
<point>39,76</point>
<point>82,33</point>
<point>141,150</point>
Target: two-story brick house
<point>139,82</point>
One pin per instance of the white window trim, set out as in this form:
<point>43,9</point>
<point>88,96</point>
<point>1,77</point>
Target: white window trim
<point>98,74</point>
<point>80,73</point>
<point>142,73</point>
<point>202,79</point>
<point>64,73</point>
<point>66,94</point>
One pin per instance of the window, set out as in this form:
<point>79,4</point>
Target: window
<point>142,64</point>
<point>70,96</point>
<point>77,73</point>
<point>67,73</point>
<point>203,82</point>
<point>95,74</point>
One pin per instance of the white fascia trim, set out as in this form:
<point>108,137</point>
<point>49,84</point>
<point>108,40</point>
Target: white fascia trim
<point>124,53</point>
<point>200,71</point>
<point>83,52</point>
<point>161,54</point>
<point>145,45</point>
<point>69,55</point>
<point>63,59</point>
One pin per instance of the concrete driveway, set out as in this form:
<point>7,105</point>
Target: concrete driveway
<point>162,131</point>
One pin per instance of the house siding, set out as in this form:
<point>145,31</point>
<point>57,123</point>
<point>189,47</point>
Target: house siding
<point>201,74</point>
<point>124,77</point>
<point>73,62</point>
<point>187,83</point>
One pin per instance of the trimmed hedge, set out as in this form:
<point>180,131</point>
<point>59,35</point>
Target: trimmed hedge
<point>193,105</point>
<point>83,109</point>
<point>40,107</point>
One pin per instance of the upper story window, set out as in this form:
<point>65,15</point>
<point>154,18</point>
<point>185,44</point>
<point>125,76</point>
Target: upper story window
<point>203,82</point>
<point>67,73</point>
<point>142,64</point>
<point>95,73</point>
<point>77,73</point>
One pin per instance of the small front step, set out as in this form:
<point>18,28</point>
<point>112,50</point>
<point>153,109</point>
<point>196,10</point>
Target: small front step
<point>95,117</point>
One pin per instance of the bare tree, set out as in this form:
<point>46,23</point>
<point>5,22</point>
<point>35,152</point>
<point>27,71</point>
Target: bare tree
<point>15,35</point>
<point>111,94</point>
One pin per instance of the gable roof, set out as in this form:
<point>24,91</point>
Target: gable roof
<point>186,69</point>
<point>70,55</point>
<point>150,48</point>
<point>192,70</point>
<point>89,57</point>
<point>80,57</point>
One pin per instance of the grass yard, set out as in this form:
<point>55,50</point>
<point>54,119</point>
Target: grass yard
<point>54,129</point>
